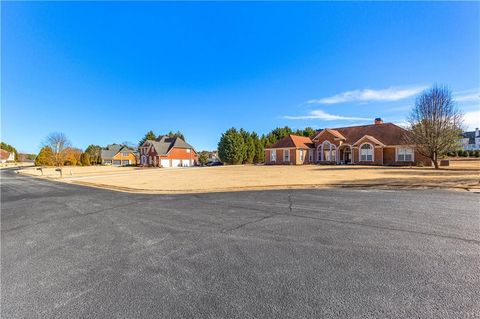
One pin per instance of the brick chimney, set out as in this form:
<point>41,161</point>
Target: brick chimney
<point>378,121</point>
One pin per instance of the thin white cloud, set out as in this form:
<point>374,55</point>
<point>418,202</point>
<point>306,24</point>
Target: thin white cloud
<point>471,120</point>
<point>402,123</point>
<point>369,95</point>
<point>322,115</point>
<point>467,96</point>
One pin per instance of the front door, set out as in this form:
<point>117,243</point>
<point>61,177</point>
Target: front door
<point>347,153</point>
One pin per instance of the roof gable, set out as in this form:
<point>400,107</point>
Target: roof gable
<point>368,138</point>
<point>385,133</point>
<point>334,132</point>
<point>164,144</point>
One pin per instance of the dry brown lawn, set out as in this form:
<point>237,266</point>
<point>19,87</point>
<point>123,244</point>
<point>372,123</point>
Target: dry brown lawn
<point>462,174</point>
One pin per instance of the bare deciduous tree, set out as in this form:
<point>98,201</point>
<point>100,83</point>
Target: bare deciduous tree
<point>58,142</point>
<point>435,123</point>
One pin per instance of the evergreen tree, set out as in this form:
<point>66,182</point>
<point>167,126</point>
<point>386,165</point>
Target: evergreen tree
<point>45,157</point>
<point>231,147</point>
<point>309,132</point>
<point>150,135</point>
<point>176,134</point>
<point>259,156</point>
<point>85,159</point>
<point>277,134</point>
<point>95,154</point>
<point>249,147</point>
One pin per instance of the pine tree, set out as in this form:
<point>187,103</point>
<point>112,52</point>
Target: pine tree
<point>176,134</point>
<point>249,147</point>
<point>45,157</point>
<point>150,135</point>
<point>231,147</point>
<point>259,156</point>
<point>250,150</point>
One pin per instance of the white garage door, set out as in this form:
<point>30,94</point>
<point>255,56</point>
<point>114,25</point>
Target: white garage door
<point>165,162</point>
<point>185,163</point>
<point>176,163</point>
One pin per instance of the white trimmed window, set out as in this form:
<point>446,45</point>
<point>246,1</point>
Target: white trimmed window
<point>188,150</point>
<point>366,153</point>
<point>302,155</point>
<point>286,155</point>
<point>404,154</point>
<point>124,153</point>
<point>310,155</point>
<point>273,155</point>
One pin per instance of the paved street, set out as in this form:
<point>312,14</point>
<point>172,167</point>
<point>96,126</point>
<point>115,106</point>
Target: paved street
<point>69,251</point>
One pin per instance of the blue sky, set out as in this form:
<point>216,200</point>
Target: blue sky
<point>109,72</point>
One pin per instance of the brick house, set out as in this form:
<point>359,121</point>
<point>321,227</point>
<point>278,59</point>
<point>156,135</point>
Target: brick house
<point>117,154</point>
<point>376,144</point>
<point>167,152</point>
<point>6,156</point>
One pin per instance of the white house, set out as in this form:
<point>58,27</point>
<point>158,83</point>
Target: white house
<point>471,140</point>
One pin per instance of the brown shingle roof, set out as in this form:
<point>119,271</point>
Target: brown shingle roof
<point>293,141</point>
<point>387,133</point>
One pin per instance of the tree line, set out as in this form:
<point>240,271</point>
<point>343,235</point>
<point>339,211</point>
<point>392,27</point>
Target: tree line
<point>57,150</point>
<point>243,147</point>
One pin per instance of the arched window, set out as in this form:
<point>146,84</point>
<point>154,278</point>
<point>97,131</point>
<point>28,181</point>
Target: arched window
<point>327,152</point>
<point>366,152</point>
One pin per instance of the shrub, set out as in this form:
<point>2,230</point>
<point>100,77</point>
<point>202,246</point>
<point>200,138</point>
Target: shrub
<point>85,159</point>
<point>476,153</point>
<point>45,157</point>
<point>470,153</point>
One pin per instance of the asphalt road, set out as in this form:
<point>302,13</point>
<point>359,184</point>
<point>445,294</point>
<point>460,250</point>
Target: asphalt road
<point>70,251</point>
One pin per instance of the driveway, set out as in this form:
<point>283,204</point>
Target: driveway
<point>70,251</point>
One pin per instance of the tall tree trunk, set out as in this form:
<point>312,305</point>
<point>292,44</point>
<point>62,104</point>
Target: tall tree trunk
<point>435,160</point>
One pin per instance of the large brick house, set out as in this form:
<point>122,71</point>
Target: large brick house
<point>117,154</point>
<point>376,144</point>
<point>167,152</point>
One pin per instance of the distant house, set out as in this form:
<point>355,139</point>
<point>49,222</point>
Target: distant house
<point>6,156</point>
<point>471,140</point>
<point>213,157</point>
<point>376,144</point>
<point>167,152</point>
<point>117,154</point>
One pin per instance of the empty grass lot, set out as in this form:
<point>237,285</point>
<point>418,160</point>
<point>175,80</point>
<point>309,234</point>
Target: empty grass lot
<point>462,175</point>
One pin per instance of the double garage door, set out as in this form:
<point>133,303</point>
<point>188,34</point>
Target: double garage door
<point>175,163</point>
